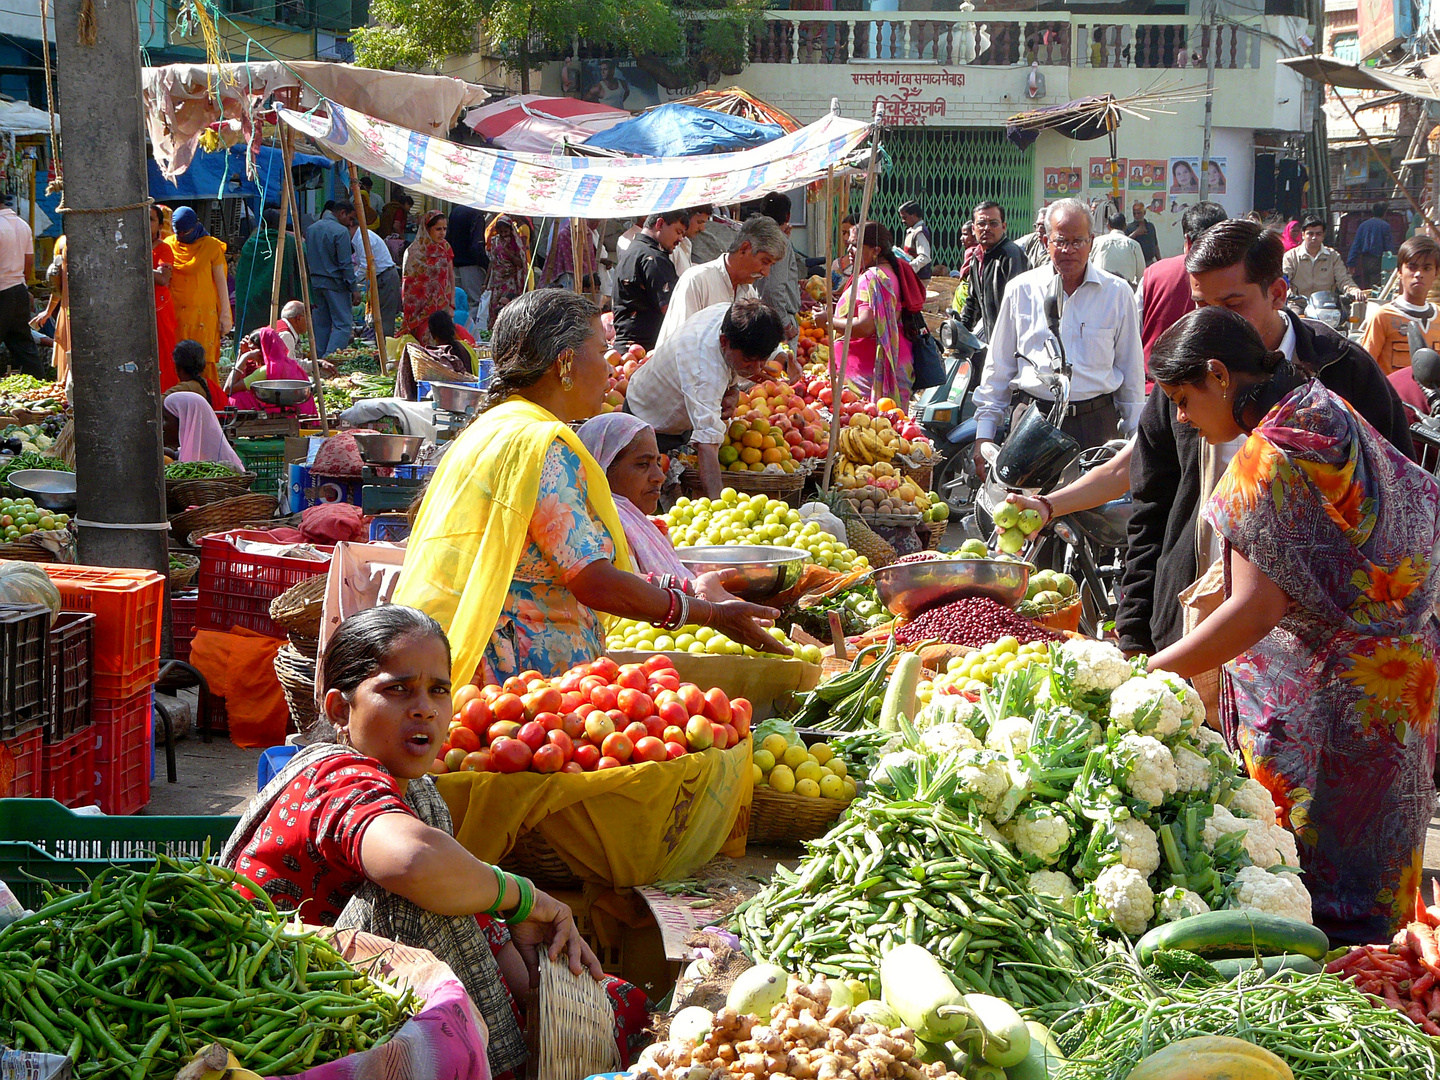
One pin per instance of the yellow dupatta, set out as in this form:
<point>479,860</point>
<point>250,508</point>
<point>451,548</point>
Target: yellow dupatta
<point>475,520</point>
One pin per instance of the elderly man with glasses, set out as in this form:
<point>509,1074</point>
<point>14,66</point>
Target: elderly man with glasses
<point>1000,260</point>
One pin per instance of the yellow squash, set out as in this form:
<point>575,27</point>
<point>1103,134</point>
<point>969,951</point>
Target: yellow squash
<point>1212,1057</point>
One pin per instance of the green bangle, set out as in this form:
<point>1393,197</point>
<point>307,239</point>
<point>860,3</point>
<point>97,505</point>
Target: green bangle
<point>526,905</point>
<point>501,878</point>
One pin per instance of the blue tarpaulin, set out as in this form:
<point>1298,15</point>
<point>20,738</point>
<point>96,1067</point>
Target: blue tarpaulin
<point>683,130</point>
<point>214,175</point>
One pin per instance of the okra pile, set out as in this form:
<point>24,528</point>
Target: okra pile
<point>917,872</point>
<point>132,976</point>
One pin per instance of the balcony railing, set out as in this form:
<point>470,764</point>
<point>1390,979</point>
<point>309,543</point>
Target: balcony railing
<point>997,39</point>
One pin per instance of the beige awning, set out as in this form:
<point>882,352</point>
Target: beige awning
<point>1423,83</point>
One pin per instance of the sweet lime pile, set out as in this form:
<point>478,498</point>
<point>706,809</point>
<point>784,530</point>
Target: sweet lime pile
<point>977,671</point>
<point>817,772</point>
<point>643,637</point>
<point>21,517</point>
<point>756,519</point>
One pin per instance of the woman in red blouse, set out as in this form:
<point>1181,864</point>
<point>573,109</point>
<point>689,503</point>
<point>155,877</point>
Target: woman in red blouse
<point>354,833</point>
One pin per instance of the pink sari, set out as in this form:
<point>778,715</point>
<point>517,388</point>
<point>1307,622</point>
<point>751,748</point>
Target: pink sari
<point>279,364</point>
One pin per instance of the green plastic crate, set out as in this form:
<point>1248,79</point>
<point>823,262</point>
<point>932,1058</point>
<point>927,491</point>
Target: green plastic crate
<point>40,839</point>
<point>266,459</point>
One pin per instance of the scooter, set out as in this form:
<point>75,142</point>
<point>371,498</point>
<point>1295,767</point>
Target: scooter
<point>946,413</point>
<point>1323,306</point>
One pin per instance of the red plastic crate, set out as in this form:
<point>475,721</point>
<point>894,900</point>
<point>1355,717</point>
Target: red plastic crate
<point>122,752</point>
<point>27,749</point>
<point>125,650</point>
<point>68,674</point>
<point>69,772</point>
<point>23,631</point>
<point>236,588</point>
<point>183,607</point>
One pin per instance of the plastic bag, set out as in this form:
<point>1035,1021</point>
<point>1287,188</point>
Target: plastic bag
<point>821,514</point>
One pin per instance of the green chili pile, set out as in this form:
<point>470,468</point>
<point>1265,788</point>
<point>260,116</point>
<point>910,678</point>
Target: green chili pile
<point>134,975</point>
<point>198,470</point>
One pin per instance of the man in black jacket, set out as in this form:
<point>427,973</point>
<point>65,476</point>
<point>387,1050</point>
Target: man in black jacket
<point>1235,264</point>
<point>1000,261</point>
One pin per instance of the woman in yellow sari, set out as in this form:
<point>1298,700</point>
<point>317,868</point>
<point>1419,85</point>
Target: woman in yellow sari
<point>518,543</point>
<point>198,287</point>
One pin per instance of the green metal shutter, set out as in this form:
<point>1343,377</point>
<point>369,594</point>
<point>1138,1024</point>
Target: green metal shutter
<point>949,170</point>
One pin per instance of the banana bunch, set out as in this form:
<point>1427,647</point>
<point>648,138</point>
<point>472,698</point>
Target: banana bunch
<point>866,440</point>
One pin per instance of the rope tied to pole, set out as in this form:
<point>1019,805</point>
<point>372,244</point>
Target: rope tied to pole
<point>143,204</point>
<point>56,183</point>
<point>87,31</point>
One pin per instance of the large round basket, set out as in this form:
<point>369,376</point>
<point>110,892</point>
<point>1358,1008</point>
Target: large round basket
<point>225,514</point>
<point>33,548</point>
<point>577,1024</point>
<point>921,471</point>
<point>893,521</point>
<point>297,682</point>
<point>193,538</point>
<point>308,647</point>
<point>774,485</point>
<point>777,818</point>
<point>299,608</point>
<point>1065,618</point>
<point>533,857</point>
<point>937,534</point>
<point>182,494</point>
<point>183,569</point>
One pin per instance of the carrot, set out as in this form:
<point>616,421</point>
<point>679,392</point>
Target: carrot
<point>1422,939</point>
<point>1433,1007</point>
<point>1430,1027</point>
<point>1422,984</point>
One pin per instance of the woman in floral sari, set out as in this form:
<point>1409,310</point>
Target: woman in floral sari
<point>1327,634</point>
<point>518,547</point>
<point>429,284</point>
<point>879,363</point>
<point>507,243</point>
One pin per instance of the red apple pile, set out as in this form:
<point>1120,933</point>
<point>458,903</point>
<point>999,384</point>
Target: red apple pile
<point>596,716</point>
<point>622,366</point>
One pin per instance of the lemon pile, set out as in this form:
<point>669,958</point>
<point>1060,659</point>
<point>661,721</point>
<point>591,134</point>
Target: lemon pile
<point>697,640</point>
<point>755,519</point>
<point>978,670</point>
<point>815,773</point>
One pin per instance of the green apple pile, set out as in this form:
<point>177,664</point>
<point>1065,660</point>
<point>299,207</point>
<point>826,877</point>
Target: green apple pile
<point>21,517</point>
<point>734,518</point>
<point>1046,592</point>
<point>977,671</point>
<point>699,640</point>
<point>1015,526</point>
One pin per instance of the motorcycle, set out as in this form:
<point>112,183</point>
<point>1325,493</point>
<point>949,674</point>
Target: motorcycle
<point>946,413</point>
<point>1324,306</point>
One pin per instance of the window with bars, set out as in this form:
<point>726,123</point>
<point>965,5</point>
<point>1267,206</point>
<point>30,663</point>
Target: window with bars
<point>949,170</point>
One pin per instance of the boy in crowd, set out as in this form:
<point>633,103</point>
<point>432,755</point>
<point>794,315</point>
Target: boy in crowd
<point>1385,338</point>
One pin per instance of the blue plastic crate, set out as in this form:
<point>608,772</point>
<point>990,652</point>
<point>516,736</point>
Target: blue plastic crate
<point>271,762</point>
<point>389,528</point>
<point>414,472</point>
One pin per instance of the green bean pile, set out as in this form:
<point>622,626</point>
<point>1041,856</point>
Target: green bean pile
<point>198,470</point>
<point>896,872</point>
<point>134,975</point>
<point>1321,1027</point>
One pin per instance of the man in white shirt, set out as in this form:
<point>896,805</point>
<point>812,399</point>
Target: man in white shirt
<point>17,264</point>
<point>1099,328</point>
<point>387,275</point>
<point>1117,253</point>
<point>917,240</point>
<point>757,247</point>
<point>681,390</point>
<point>681,256</point>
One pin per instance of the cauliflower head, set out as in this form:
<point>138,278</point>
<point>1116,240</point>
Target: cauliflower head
<point>990,832</point>
<point>1125,897</point>
<point>1042,835</point>
<point>890,764</point>
<point>1252,800</point>
<point>1054,884</point>
<point>1192,771</point>
<point>1010,735</point>
<point>1099,666</point>
<point>1177,903</point>
<point>1208,739</point>
<point>1139,846</point>
<point>946,737</point>
<point>984,775</point>
<point>1191,704</point>
<point>1259,839</point>
<point>1147,767</point>
<point>1277,894</point>
<point>1147,705</point>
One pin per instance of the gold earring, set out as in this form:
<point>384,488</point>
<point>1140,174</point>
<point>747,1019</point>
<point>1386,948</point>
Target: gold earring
<point>566,383</point>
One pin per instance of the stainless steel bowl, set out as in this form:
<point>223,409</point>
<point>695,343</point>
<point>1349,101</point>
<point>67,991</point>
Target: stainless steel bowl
<point>51,489</point>
<point>283,391</point>
<point>912,588</point>
<point>455,398</point>
<point>389,449</point>
<point>756,572</point>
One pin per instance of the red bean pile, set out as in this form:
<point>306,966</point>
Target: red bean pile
<point>974,621</point>
<point>920,556</point>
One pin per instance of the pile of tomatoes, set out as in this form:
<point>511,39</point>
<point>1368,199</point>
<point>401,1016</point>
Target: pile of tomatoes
<point>596,716</point>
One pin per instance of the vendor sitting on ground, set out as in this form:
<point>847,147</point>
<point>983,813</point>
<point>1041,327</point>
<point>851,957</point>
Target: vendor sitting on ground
<point>269,362</point>
<point>192,433</point>
<point>448,349</point>
<point>190,363</point>
<point>356,815</point>
<point>684,389</point>
<point>518,544</point>
<point>625,448</point>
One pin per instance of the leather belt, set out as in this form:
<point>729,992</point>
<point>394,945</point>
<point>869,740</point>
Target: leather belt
<point>1075,408</point>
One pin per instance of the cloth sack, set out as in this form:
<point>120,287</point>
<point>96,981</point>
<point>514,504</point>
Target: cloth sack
<point>239,665</point>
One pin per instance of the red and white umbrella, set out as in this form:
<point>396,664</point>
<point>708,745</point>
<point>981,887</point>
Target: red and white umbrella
<point>539,125</point>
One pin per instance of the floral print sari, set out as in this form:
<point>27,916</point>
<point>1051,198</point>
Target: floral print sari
<point>1334,709</point>
<point>882,365</point>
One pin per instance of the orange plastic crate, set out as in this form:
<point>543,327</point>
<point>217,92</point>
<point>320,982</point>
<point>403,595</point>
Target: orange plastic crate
<point>126,606</point>
<point>121,732</point>
<point>69,770</point>
<point>27,749</point>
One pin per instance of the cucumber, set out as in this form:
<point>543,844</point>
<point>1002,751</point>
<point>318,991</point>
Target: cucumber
<point>1232,932</point>
<point>900,694</point>
<point>1271,965</point>
<point>1007,1039</point>
<point>1043,1058</point>
<point>878,1012</point>
<point>917,988</point>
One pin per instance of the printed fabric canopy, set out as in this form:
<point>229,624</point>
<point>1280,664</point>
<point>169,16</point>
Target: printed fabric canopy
<point>684,130</point>
<point>543,186</point>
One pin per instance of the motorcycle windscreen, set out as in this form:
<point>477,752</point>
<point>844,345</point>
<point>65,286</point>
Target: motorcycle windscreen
<point>1035,454</point>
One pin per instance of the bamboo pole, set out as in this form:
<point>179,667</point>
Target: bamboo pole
<point>287,149</point>
<point>836,388</point>
<point>280,246</point>
<point>356,197</point>
<point>577,255</point>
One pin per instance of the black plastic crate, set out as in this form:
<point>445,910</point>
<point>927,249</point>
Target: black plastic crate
<point>68,674</point>
<point>24,647</point>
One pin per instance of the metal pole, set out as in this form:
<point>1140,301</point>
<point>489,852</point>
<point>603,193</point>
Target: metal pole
<point>287,148</point>
<point>356,197</point>
<point>1210,51</point>
<point>120,504</point>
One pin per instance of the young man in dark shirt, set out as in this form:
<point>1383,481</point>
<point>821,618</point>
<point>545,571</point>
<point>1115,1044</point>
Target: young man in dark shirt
<point>645,278</point>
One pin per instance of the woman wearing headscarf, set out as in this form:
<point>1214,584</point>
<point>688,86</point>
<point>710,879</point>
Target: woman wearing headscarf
<point>274,362</point>
<point>507,243</point>
<point>255,274</point>
<point>192,433</point>
<point>624,446</point>
<point>162,268</point>
<point>199,288</point>
<point>880,361</point>
<point>518,546</point>
<point>429,284</point>
<point>59,309</point>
